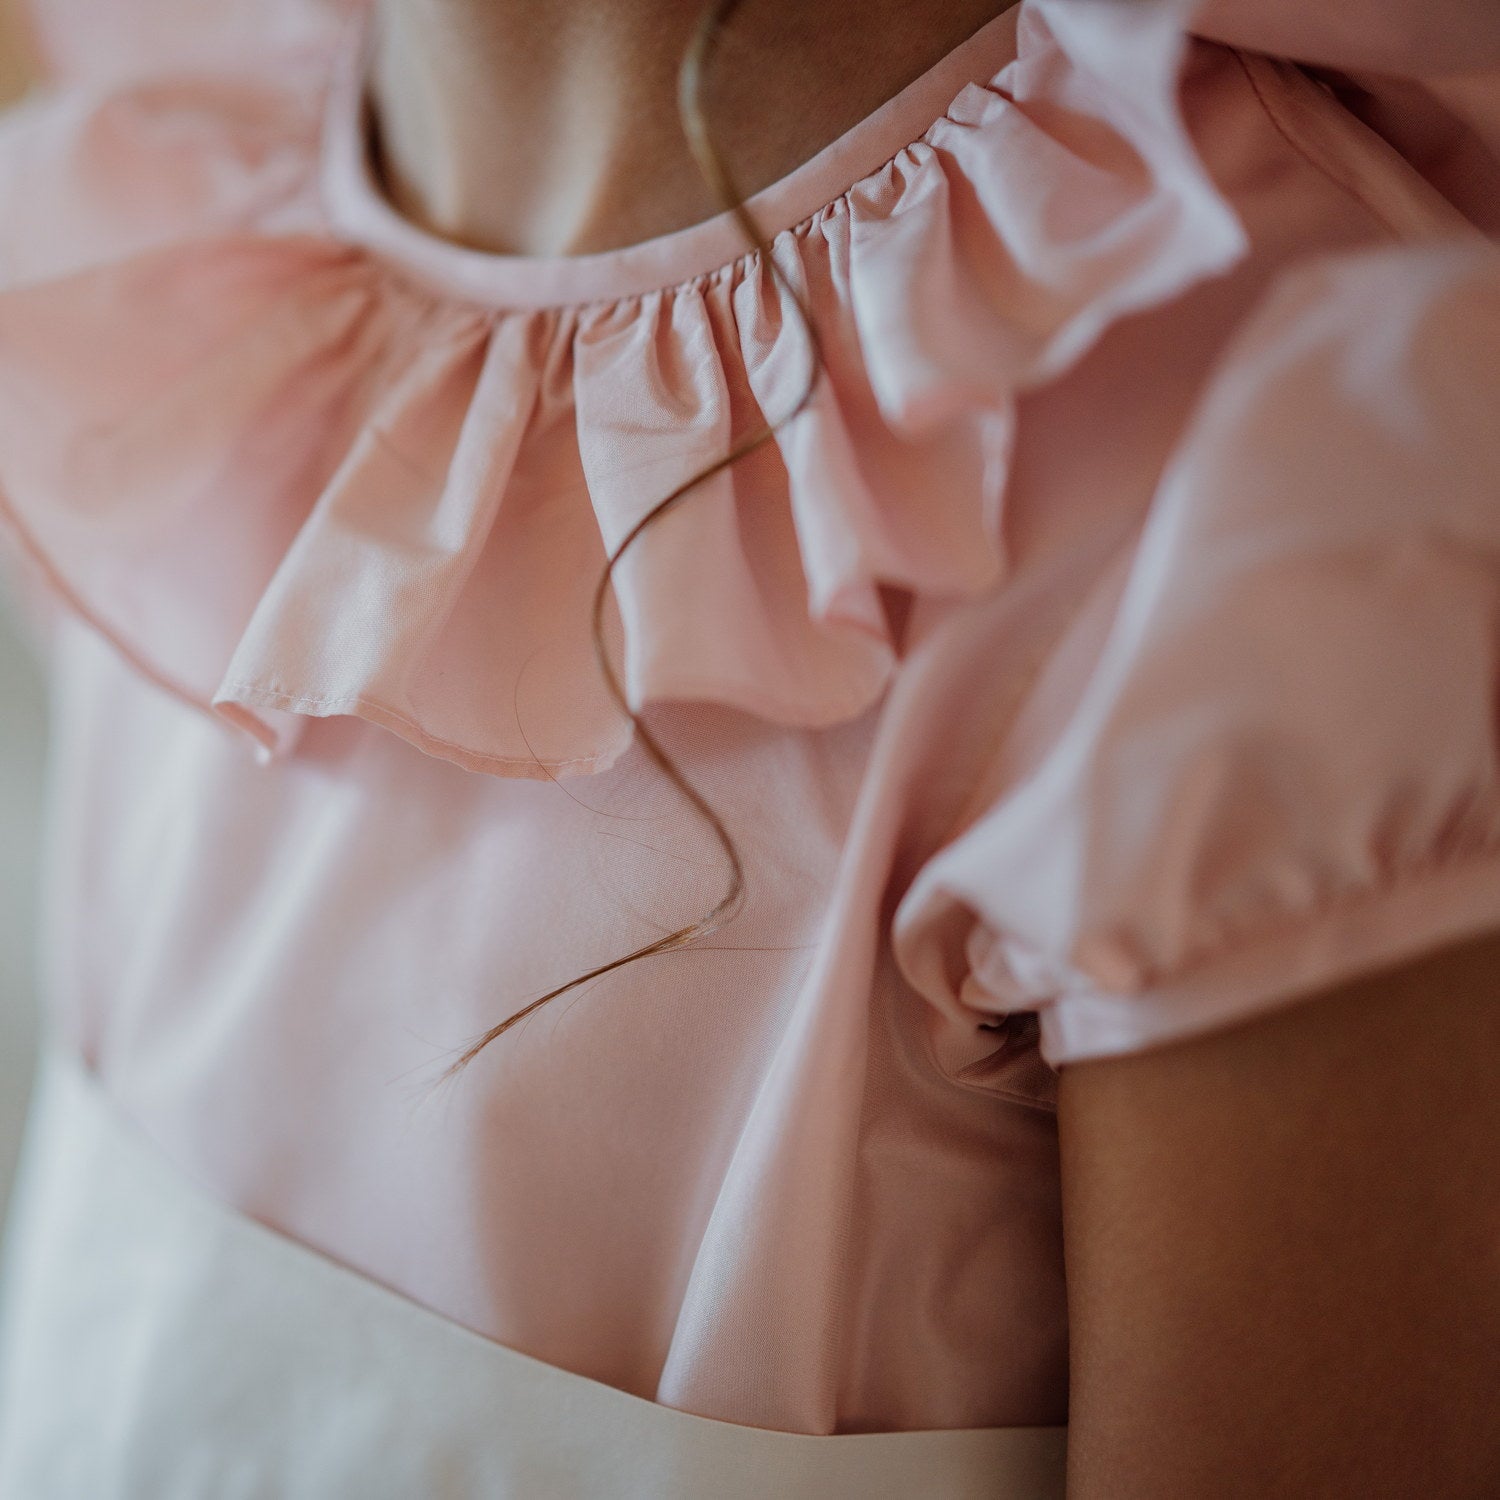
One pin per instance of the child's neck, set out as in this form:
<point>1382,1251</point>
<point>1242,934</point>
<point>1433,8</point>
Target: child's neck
<point>550,127</point>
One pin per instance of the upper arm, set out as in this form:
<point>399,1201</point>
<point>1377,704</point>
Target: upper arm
<point>1283,1249</point>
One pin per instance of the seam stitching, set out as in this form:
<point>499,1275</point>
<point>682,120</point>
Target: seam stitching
<point>1315,159</point>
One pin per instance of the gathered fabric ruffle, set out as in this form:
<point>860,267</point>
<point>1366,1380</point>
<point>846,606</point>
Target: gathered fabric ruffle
<point>290,477</point>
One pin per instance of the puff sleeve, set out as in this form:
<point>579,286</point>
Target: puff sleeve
<point>1282,768</point>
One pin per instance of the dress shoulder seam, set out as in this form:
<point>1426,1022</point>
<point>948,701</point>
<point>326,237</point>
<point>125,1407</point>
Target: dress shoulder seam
<point>1414,211</point>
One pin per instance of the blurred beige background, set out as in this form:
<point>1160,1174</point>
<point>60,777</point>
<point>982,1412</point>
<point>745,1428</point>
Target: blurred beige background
<point>21,745</point>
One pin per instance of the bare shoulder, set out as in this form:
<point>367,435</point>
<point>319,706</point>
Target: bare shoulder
<point>1283,1249</point>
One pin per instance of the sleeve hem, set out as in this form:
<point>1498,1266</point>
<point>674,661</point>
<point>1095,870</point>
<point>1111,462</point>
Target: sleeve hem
<point>1340,943</point>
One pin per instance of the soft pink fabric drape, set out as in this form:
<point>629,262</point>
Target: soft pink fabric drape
<point>1108,653</point>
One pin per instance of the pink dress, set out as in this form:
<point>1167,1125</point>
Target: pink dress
<point>1107,654</point>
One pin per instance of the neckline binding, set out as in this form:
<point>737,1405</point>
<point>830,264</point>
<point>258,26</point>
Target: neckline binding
<point>358,211</point>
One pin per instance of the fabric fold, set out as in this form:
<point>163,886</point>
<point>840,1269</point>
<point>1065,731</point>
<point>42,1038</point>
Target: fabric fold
<point>290,477</point>
<point>1289,728</point>
<point>1423,74</point>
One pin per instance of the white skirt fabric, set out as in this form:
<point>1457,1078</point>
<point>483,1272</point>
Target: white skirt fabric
<point>158,1345</point>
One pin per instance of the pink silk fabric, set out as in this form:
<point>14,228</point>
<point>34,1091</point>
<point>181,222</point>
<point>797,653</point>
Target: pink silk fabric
<point>1108,653</point>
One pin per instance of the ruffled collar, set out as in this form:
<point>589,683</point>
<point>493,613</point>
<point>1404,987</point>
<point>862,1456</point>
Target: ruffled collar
<point>296,458</point>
